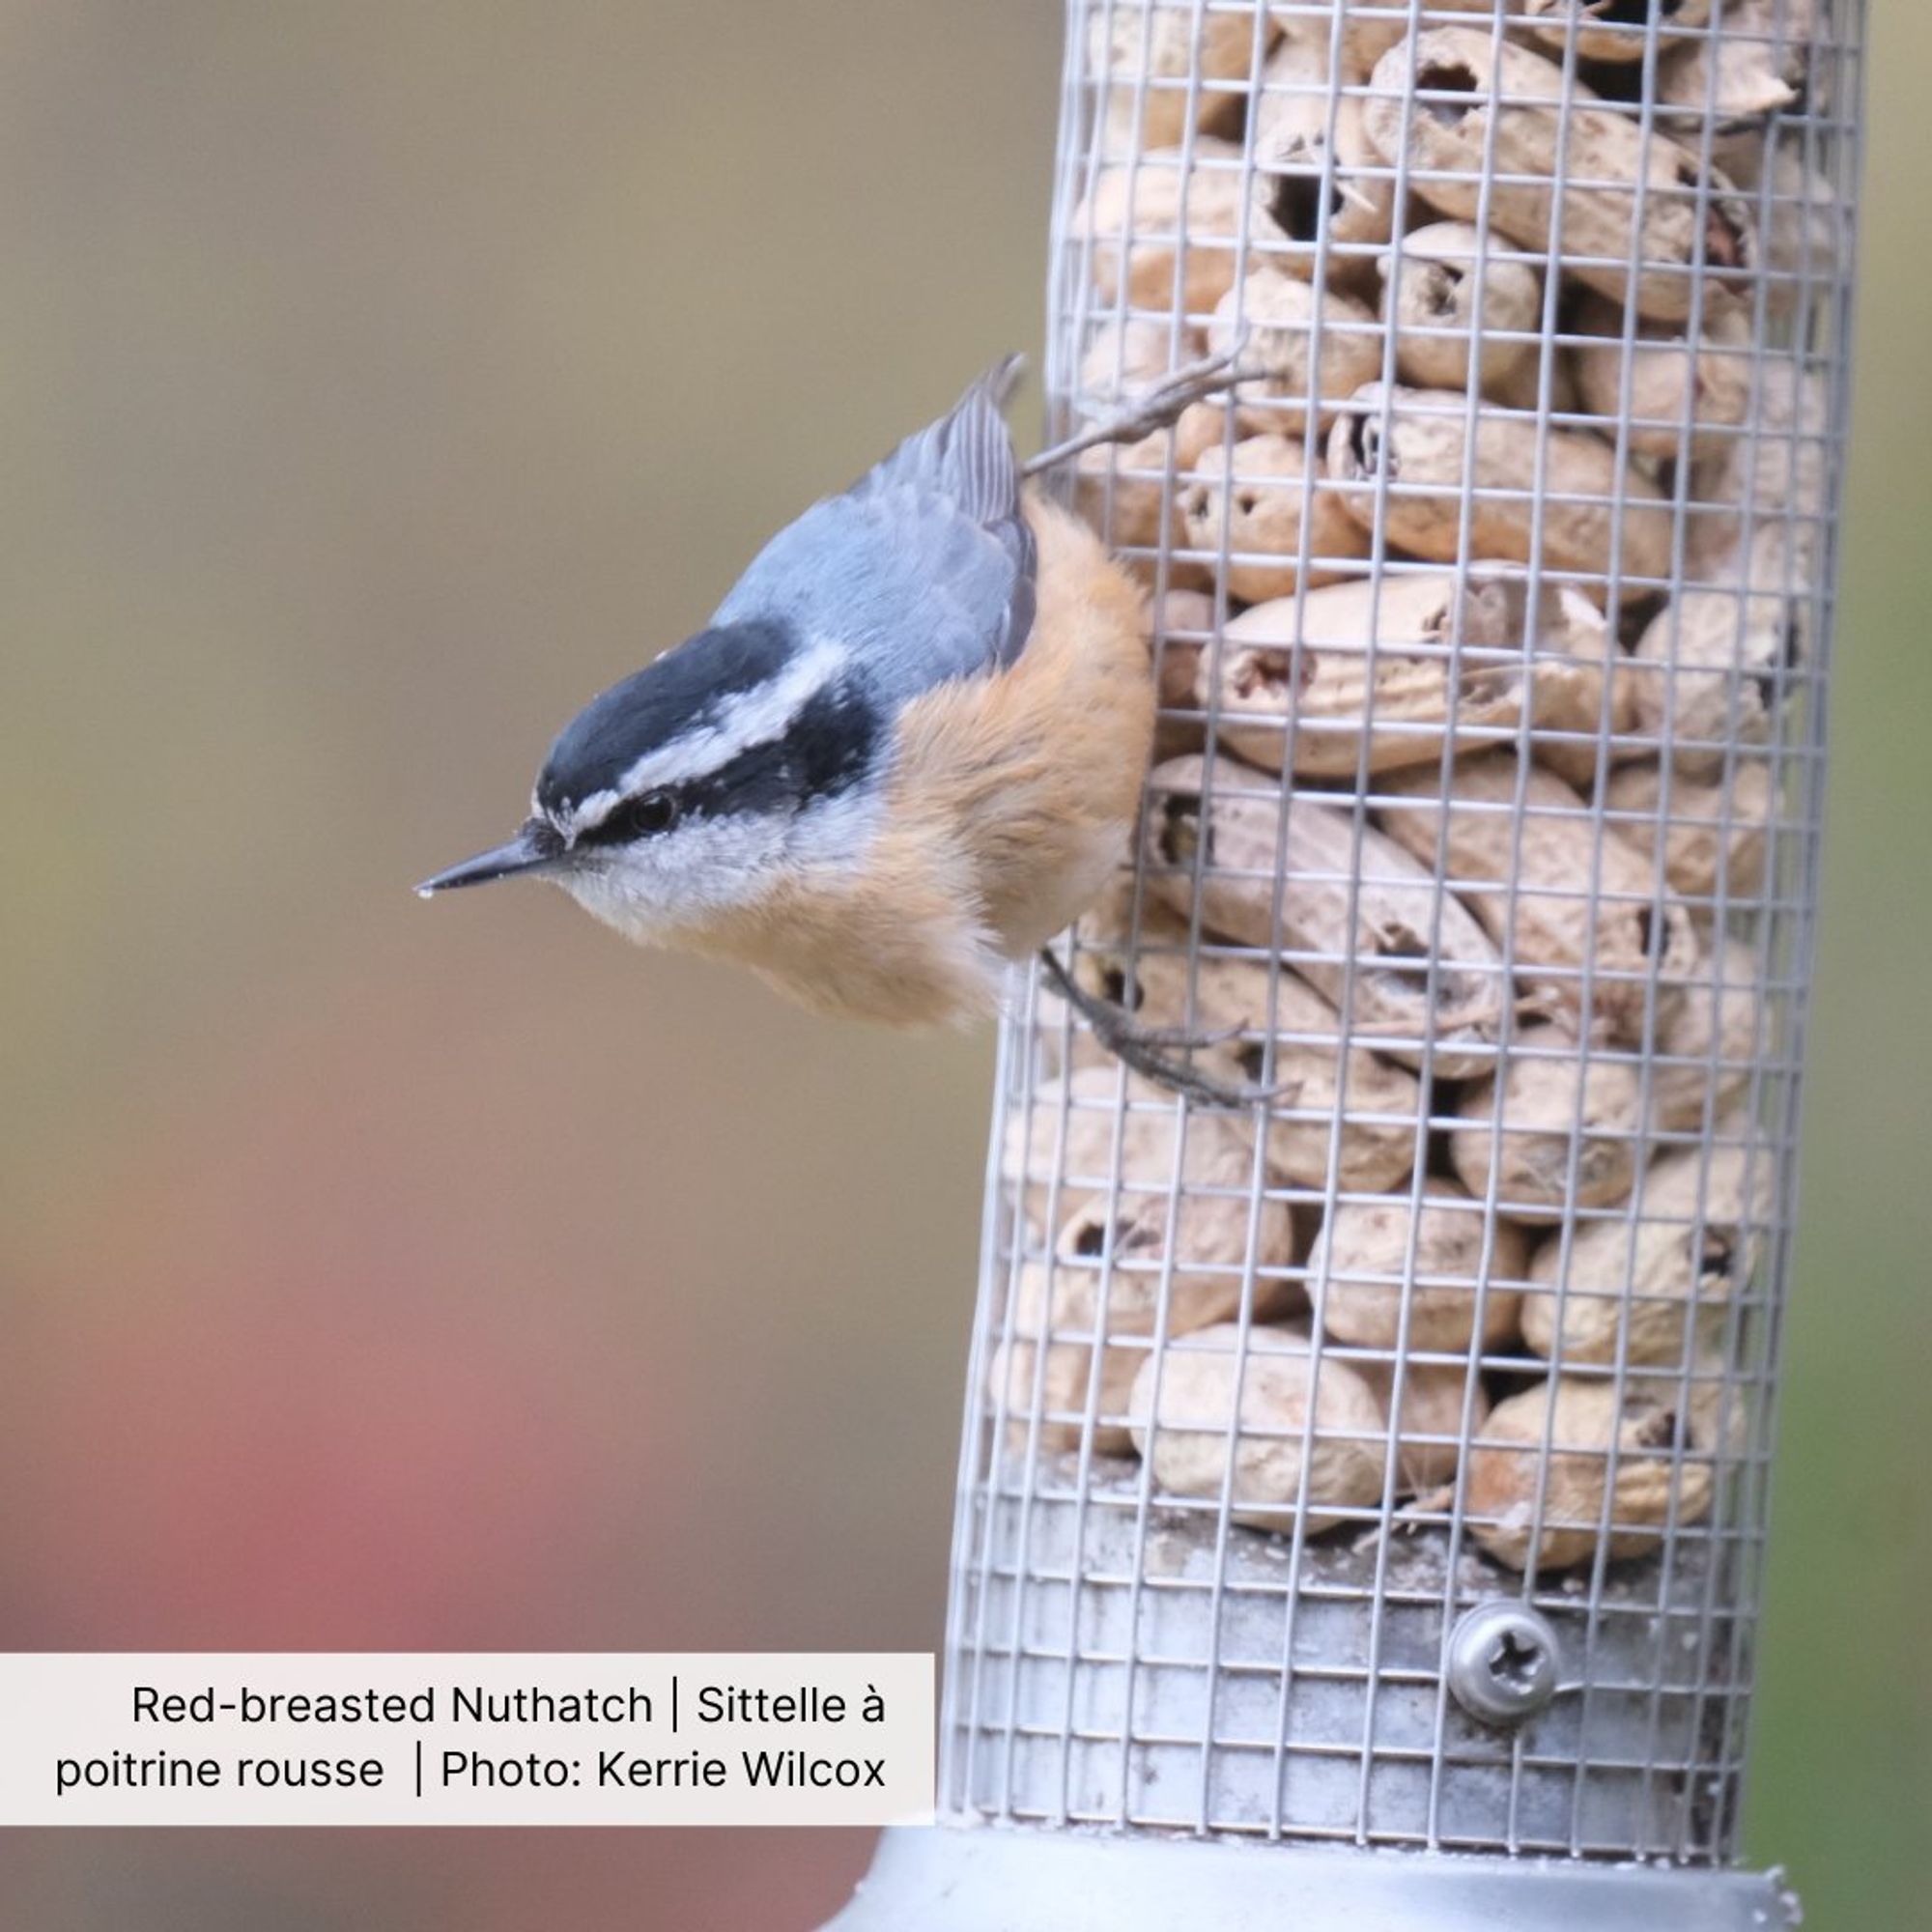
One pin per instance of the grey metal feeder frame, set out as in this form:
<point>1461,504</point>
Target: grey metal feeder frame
<point>1363,1496</point>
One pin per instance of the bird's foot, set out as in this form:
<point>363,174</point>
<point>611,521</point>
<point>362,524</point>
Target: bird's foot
<point>1159,1054</point>
<point>1158,409</point>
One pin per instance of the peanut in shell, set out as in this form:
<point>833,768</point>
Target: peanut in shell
<point>1164,67</point>
<point>1161,1245</point>
<point>1457,297</point>
<point>1761,498</point>
<point>1318,175</point>
<point>1257,503</point>
<point>1493,129</point>
<point>1052,1385</point>
<point>1265,1406</point>
<point>1612,30</point>
<point>1709,675</point>
<point>1437,1401</point>
<point>1372,1145</point>
<point>1652,1288</point>
<point>1712,832</point>
<point>1419,461</point>
<point>1680,397</point>
<point>1803,225</point>
<point>1075,1134</point>
<point>1132,494</point>
<point>1375,1259</point>
<point>1534,864</point>
<point>1311,351</point>
<point>1558,1128</point>
<point>1181,635</point>
<point>1357,918</point>
<point>1539,1487</point>
<point>1125,1255</point>
<point>1129,357</point>
<point>1523,389</point>
<point>1711,1042</point>
<point>1453,654</point>
<point>1168,225</point>
<point>1761,54</point>
<point>1370,28</point>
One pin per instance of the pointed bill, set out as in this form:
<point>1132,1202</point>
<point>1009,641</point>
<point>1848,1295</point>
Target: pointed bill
<point>536,849</point>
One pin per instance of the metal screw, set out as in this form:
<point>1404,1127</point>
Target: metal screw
<point>1502,1662</point>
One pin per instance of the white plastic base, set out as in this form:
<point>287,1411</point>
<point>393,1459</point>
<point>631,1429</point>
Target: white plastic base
<point>994,1879</point>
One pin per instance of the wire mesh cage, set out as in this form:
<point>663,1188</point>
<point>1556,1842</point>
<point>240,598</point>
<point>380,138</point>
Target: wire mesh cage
<point>1384,1463</point>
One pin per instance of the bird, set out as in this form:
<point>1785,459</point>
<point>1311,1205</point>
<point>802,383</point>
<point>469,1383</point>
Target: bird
<point>904,754</point>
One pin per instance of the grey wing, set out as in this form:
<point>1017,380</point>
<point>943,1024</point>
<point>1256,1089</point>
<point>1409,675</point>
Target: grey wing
<point>925,567</point>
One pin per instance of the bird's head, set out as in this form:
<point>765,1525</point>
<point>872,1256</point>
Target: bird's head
<point>747,754</point>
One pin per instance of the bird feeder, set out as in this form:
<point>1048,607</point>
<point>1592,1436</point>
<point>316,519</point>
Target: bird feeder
<point>1363,1496</point>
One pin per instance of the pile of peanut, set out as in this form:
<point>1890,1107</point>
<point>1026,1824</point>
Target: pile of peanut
<point>1480,610</point>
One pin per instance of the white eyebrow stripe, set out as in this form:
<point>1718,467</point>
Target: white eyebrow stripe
<point>750,717</point>
<point>590,811</point>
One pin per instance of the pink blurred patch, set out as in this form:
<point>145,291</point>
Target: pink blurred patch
<point>334,1365</point>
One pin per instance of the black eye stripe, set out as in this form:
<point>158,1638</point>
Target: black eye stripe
<point>648,816</point>
<point>823,752</point>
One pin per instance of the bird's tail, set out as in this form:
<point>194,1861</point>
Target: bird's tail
<point>998,383</point>
<point>967,454</point>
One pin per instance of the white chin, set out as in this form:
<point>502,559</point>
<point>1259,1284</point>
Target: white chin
<point>606,901</point>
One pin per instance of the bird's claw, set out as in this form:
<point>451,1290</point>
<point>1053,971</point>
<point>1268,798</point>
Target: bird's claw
<point>1158,409</point>
<point>1191,383</point>
<point>1147,1050</point>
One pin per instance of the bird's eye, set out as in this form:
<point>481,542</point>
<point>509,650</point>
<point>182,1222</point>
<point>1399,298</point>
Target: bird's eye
<point>651,812</point>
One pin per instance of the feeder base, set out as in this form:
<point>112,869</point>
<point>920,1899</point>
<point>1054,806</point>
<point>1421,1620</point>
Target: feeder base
<point>999,1879</point>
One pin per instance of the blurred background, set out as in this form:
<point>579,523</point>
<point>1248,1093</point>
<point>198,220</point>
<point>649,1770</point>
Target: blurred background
<point>378,384</point>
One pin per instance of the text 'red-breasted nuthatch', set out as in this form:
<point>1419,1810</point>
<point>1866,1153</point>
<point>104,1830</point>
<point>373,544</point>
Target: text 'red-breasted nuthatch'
<point>906,751</point>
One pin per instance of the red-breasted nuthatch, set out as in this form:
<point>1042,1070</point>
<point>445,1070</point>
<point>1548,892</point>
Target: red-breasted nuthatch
<point>905,753</point>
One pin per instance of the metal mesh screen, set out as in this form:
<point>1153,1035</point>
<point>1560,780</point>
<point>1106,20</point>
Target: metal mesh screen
<point>1492,622</point>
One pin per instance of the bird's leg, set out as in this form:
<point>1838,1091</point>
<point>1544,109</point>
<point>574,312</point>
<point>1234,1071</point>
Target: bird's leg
<point>1211,376</point>
<point>1145,1049</point>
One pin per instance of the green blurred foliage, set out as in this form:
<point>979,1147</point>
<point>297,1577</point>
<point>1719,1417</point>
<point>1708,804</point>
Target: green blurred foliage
<point>378,383</point>
<point>1842,1748</point>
